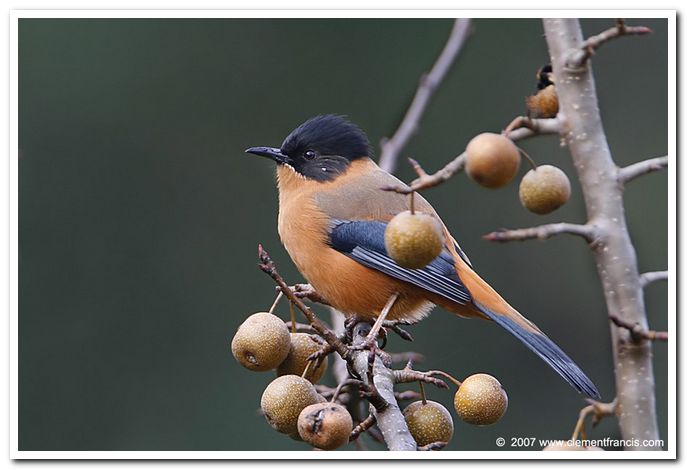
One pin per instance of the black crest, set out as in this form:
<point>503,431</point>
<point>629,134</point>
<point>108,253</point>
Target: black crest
<point>324,146</point>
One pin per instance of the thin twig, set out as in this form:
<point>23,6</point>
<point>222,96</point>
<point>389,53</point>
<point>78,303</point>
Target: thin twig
<point>599,410</point>
<point>637,333</point>
<point>300,327</point>
<point>391,148</point>
<point>433,446</point>
<point>644,167</point>
<point>543,232</point>
<point>267,266</point>
<point>407,395</point>
<point>429,180</point>
<point>579,58</point>
<point>647,278</point>
<point>408,375</point>
<point>306,291</point>
<point>363,426</point>
<point>404,357</point>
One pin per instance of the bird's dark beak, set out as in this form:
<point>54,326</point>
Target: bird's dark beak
<point>269,152</point>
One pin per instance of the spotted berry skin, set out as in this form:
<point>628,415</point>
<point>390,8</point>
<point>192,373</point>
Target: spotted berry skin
<point>262,342</point>
<point>481,400</point>
<point>428,422</point>
<point>302,346</point>
<point>284,399</point>
<point>544,190</point>
<point>492,160</point>
<point>413,240</point>
<point>325,426</point>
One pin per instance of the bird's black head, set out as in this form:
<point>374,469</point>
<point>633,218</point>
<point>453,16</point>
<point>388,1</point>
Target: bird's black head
<point>545,77</point>
<point>321,148</point>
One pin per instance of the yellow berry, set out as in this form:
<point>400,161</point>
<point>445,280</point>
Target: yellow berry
<point>480,400</point>
<point>262,342</point>
<point>544,189</point>
<point>302,346</point>
<point>429,422</point>
<point>492,160</point>
<point>325,426</point>
<point>284,399</point>
<point>413,240</point>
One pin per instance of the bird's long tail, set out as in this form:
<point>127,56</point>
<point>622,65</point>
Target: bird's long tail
<point>490,304</point>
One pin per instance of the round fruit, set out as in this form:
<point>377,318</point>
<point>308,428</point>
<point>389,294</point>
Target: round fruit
<point>568,446</point>
<point>492,160</point>
<point>262,342</point>
<point>295,363</point>
<point>481,400</point>
<point>429,422</point>
<point>325,426</point>
<point>284,399</point>
<point>413,240</point>
<point>544,189</point>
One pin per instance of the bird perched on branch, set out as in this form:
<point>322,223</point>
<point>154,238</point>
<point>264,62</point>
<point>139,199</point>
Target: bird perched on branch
<point>333,215</point>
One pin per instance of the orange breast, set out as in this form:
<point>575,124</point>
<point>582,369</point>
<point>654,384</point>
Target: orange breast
<point>350,287</point>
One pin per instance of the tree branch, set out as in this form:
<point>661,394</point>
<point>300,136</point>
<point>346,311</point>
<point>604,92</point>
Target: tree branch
<point>637,332</point>
<point>616,259</point>
<point>267,266</point>
<point>526,128</point>
<point>642,168</point>
<point>542,232</point>
<point>653,276</point>
<point>598,410</point>
<point>391,148</point>
<point>390,419</point>
<point>588,48</point>
<point>363,426</point>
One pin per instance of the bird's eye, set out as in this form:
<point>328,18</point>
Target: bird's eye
<point>310,154</point>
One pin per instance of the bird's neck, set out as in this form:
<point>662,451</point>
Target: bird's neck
<point>292,184</point>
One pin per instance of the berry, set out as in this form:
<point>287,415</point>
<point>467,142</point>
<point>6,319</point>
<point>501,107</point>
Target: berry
<point>284,399</point>
<point>544,189</point>
<point>428,422</point>
<point>325,426</point>
<point>262,342</point>
<point>302,346</point>
<point>413,240</point>
<point>481,400</point>
<point>492,160</point>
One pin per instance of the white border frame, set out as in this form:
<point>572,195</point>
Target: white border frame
<point>670,15</point>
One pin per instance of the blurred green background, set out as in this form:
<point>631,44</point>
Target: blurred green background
<point>140,215</point>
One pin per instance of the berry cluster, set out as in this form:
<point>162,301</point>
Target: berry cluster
<point>292,404</point>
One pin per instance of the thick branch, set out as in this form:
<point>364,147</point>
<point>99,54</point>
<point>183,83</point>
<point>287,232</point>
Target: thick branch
<point>615,255</point>
<point>642,168</point>
<point>543,232</point>
<point>588,48</point>
<point>429,83</point>
<point>528,128</point>
<point>390,419</point>
<point>653,276</point>
<point>637,332</point>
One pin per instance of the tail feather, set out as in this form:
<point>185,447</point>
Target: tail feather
<point>542,346</point>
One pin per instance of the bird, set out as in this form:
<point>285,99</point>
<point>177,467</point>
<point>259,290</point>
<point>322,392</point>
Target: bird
<point>333,213</point>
